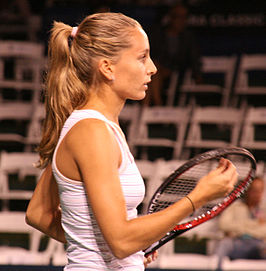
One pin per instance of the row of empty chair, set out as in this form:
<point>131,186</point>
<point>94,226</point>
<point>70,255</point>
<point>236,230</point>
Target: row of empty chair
<point>22,66</point>
<point>20,125</point>
<point>231,79</point>
<point>18,178</point>
<point>227,80</point>
<point>194,128</point>
<point>178,129</point>
<point>21,164</point>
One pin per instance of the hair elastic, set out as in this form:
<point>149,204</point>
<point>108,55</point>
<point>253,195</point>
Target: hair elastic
<point>74,31</point>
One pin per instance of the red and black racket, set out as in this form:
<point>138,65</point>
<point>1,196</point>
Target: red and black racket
<point>183,180</point>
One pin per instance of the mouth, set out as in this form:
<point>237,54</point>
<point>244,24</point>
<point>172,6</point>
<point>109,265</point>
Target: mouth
<point>146,84</point>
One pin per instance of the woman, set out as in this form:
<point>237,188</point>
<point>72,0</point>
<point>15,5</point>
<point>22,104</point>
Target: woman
<point>99,185</point>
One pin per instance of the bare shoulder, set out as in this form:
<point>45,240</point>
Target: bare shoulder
<point>88,129</point>
<point>89,136</point>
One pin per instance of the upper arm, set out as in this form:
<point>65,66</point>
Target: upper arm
<point>97,154</point>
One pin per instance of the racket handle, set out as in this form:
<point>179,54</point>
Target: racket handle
<point>159,243</point>
<point>168,237</point>
<point>150,249</point>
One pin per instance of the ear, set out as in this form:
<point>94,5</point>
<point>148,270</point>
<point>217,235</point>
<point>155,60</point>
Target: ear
<point>106,68</point>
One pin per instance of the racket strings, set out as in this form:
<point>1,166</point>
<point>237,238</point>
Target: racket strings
<point>184,183</point>
<point>184,179</point>
<point>181,186</point>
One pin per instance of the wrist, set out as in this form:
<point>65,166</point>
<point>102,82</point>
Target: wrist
<point>192,204</point>
<point>197,200</point>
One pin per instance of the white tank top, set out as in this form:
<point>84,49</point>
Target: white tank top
<point>86,247</point>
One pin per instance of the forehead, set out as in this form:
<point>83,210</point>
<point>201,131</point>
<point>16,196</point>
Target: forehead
<point>139,40</point>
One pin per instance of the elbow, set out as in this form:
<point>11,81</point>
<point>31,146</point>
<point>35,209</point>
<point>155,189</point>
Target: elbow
<point>121,250</point>
<point>120,253</point>
<point>32,216</point>
<point>29,218</point>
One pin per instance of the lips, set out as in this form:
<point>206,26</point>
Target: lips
<point>147,82</point>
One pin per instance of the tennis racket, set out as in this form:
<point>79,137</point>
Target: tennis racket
<point>183,180</point>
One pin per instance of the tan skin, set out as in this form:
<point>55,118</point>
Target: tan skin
<point>96,161</point>
<point>254,196</point>
<point>46,217</point>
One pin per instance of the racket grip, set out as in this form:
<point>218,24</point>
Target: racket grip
<point>152,248</point>
<point>159,243</point>
<point>168,237</point>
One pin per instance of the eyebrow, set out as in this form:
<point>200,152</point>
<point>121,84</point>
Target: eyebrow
<point>145,51</point>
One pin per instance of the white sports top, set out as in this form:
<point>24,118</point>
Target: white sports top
<point>86,247</point>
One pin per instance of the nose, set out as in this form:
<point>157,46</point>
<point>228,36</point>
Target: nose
<point>152,68</point>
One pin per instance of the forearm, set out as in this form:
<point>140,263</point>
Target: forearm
<point>49,223</point>
<point>43,212</point>
<point>139,233</point>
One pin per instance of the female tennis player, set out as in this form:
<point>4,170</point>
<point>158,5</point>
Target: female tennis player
<point>93,69</point>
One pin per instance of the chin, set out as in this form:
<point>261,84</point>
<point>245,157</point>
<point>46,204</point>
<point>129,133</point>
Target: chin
<point>139,97</point>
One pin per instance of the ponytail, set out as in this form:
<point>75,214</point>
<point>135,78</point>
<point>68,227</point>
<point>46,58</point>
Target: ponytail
<point>64,91</point>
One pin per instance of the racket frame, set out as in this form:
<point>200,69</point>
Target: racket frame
<point>217,209</point>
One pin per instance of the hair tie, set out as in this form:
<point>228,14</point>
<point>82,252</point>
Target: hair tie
<point>74,31</point>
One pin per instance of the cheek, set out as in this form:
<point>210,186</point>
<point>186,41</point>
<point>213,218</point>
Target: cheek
<point>135,77</point>
<point>130,79</point>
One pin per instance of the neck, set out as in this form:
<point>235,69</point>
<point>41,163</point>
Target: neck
<point>106,102</point>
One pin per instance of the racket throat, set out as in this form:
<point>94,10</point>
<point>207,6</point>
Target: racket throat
<point>169,236</point>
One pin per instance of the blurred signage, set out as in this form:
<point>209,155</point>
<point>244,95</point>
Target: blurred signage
<point>227,20</point>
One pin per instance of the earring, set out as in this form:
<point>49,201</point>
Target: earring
<point>112,78</point>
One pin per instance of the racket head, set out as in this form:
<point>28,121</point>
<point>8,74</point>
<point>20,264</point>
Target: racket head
<point>184,179</point>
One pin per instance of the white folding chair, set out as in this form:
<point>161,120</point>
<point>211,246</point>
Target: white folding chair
<point>214,127</point>
<point>243,265</point>
<point>249,84</point>
<point>13,222</point>
<point>129,119</point>
<point>171,90</point>
<point>21,164</point>
<point>59,257</point>
<point>34,130</point>
<point>28,64</point>
<point>164,116</point>
<point>187,261</point>
<point>14,116</point>
<point>255,117</point>
<point>212,66</point>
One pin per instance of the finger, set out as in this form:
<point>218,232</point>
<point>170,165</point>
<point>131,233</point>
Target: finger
<point>234,178</point>
<point>231,169</point>
<point>149,260</point>
<point>222,162</point>
<point>222,166</point>
<point>154,255</point>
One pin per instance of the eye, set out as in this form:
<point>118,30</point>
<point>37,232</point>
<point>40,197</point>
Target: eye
<point>143,57</point>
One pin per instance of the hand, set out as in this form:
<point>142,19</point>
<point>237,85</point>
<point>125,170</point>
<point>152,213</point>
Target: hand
<point>218,183</point>
<point>150,258</point>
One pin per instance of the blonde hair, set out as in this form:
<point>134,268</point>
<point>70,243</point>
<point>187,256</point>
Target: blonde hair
<point>72,70</point>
